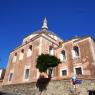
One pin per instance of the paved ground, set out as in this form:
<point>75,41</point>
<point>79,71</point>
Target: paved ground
<point>2,93</point>
<point>6,93</point>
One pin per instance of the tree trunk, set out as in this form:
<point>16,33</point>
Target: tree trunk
<point>43,74</point>
<point>50,72</point>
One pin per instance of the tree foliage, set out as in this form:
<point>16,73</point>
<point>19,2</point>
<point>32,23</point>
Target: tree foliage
<point>45,61</point>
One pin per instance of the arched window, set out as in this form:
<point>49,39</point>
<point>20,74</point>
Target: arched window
<point>63,55</point>
<point>50,72</point>
<point>30,47</point>
<point>22,51</point>
<point>75,52</point>
<point>29,52</point>
<point>51,50</point>
<point>11,75</point>
<point>21,54</point>
<point>26,72</point>
<point>26,42</point>
<point>15,57</point>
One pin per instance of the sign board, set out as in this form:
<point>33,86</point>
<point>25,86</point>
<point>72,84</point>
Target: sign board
<point>78,81</point>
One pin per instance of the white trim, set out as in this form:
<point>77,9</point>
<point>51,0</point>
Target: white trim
<point>92,49</point>
<point>14,58</point>
<point>40,47</point>
<point>51,39</point>
<point>78,66</point>
<point>26,67</point>
<point>62,70</point>
<point>72,40</point>
<point>11,71</point>
<point>38,74</point>
<point>51,52</point>
<point>21,56</point>
<point>1,72</point>
<point>74,51</point>
<point>82,40</point>
<point>64,60</point>
<point>29,52</point>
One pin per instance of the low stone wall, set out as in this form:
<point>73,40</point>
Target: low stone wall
<point>53,87</point>
<point>1,81</point>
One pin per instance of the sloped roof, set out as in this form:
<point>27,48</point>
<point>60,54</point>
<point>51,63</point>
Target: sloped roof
<point>42,31</point>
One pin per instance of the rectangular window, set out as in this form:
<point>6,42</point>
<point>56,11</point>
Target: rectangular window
<point>78,71</point>
<point>64,72</point>
<point>11,76</point>
<point>50,72</point>
<point>26,73</point>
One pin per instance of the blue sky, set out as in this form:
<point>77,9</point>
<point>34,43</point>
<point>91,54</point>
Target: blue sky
<point>66,18</point>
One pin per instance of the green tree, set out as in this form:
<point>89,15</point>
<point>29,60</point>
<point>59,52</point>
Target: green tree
<point>46,61</point>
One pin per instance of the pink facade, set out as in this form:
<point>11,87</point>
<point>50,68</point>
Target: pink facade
<point>77,57</point>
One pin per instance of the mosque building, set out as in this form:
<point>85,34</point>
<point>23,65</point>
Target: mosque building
<point>77,57</point>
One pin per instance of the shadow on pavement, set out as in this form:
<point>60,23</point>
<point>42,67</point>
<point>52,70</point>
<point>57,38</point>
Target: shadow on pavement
<point>5,93</point>
<point>2,93</point>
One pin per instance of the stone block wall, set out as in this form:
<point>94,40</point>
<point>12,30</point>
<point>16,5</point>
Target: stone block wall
<point>54,87</point>
<point>1,81</point>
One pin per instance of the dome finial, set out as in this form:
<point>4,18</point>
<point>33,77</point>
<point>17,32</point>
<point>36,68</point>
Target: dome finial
<point>45,24</point>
